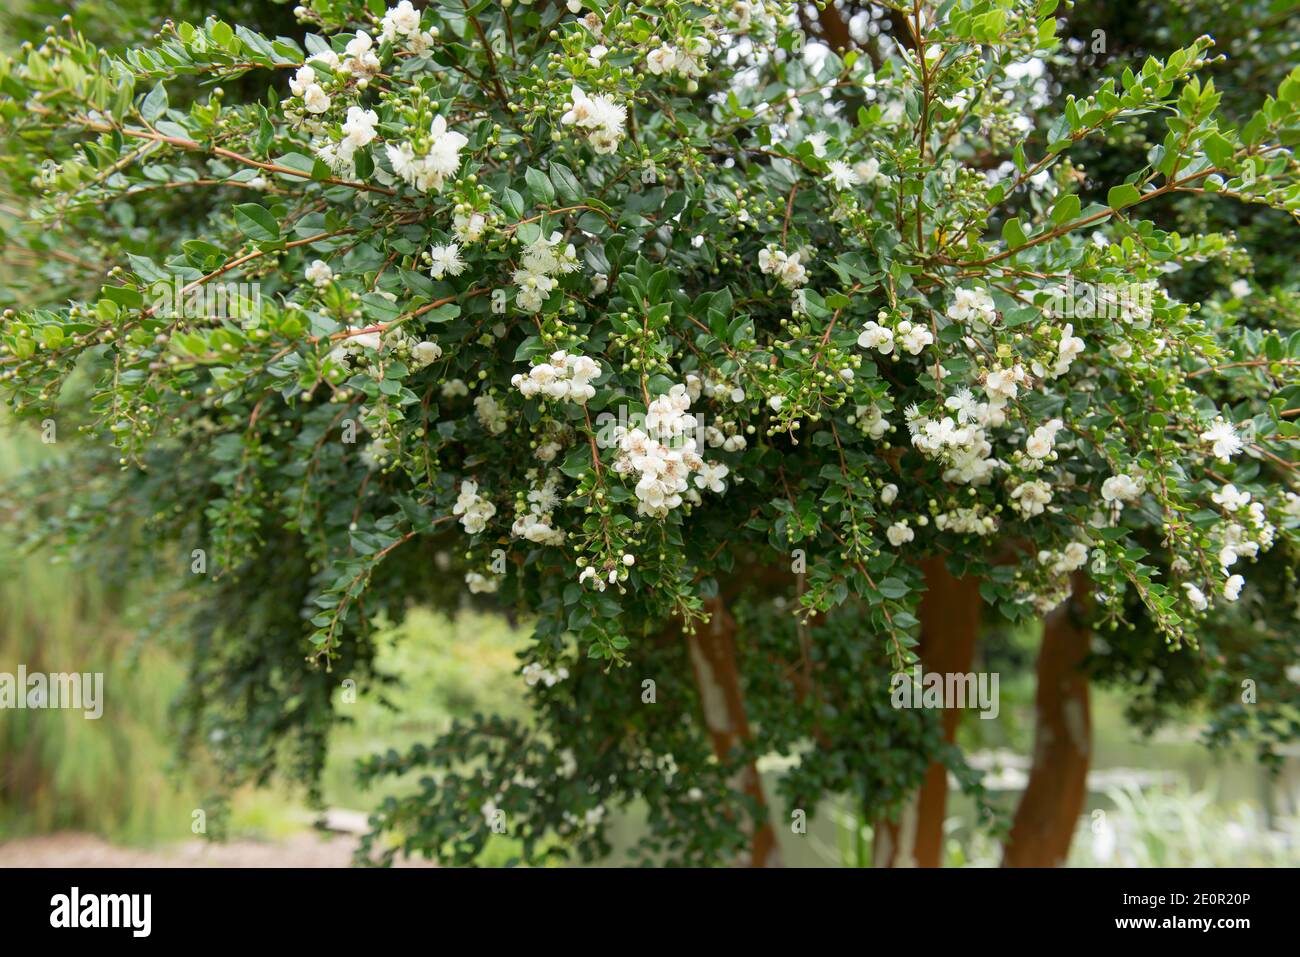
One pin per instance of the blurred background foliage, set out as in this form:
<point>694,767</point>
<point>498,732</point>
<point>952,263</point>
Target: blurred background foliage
<point>1157,797</point>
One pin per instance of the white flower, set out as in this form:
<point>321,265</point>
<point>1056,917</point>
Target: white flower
<point>818,143</point>
<point>401,20</point>
<point>1196,597</point>
<point>564,377</point>
<point>598,116</point>
<point>1075,555</point>
<point>469,227</point>
<point>1040,442</point>
<point>972,306</point>
<point>1230,498</point>
<point>1240,289</point>
<point>710,477</point>
<point>1002,385</point>
<point>1031,498</point>
<point>1071,348</point>
<point>444,150</point>
<point>319,273</point>
<point>787,268</point>
<point>360,58</point>
<point>491,414</point>
<point>429,172</point>
<point>888,494</point>
<point>315,99</point>
<point>425,353</point>
<point>359,127</point>
<point>899,533</point>
<point>303,78</point>
<point>963,403</point>
<point>481,584</point>
<point>445,261</point>
<point>356,339</point>
<point>473,509</point>
<point>328,57</point>
<point>1232,587</point>
<point>878,337</point>
<point>914,337</point>
<point>1223,439</point>
<point>1121,489</point>
<point>842,175</point>
<point>535,672</point>
<point>868,172</point>
<point>662,59</point>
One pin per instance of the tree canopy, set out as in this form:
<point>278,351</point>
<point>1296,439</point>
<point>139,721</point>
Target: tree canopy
<point>637,321</point>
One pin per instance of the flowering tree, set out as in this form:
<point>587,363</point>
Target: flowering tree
<point>701,347</point>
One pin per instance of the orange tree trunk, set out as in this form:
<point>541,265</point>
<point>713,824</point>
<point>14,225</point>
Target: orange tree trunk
<point>950,616</point>
<point>712,650</point>
<point>1053,800</point>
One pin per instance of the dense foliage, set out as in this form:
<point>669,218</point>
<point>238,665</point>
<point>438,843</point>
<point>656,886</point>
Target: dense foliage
<point>624,317</point>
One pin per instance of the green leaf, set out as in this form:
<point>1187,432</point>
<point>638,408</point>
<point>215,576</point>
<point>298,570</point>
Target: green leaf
<point>578,462</point>
<point>1126,194</point>
<point>566,184</point>
<point>1013,233</point>
<point>1218,150</point>
<point>1066,209</point>
<point>257,223</point>
<point>155,104</point>
<point>539,186</point>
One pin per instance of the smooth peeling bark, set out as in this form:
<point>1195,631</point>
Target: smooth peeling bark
<point>950,617</point>
<point>712,651</point>
<point>1050,806</point>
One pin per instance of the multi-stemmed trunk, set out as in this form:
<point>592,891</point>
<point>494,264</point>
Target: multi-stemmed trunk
<point>949,614</point>
<point>1053,799</point>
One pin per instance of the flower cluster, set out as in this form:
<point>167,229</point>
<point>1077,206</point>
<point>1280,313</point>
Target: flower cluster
<point>960,443</point>
<point>428,169</point>
<point>480,584</point>
<point>533,520</point>
<point>543,260</point>
<point>402,22</point>
<point>598,116</point>
<point>1031,498</point>
<point>564,377</point>
<point>788,268</point>
<point>911,337</point>
<point>1071,558</point>
<point>535,673</point>
<point>474,510</point>
<point>972,307</point>
<point>305,84</point>
<point>491,414</point>
<point>689,59</point>
<point>663,456</point>
<point>966,521</point>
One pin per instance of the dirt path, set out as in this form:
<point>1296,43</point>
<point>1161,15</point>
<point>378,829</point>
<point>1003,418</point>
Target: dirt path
<point>310,849</point>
